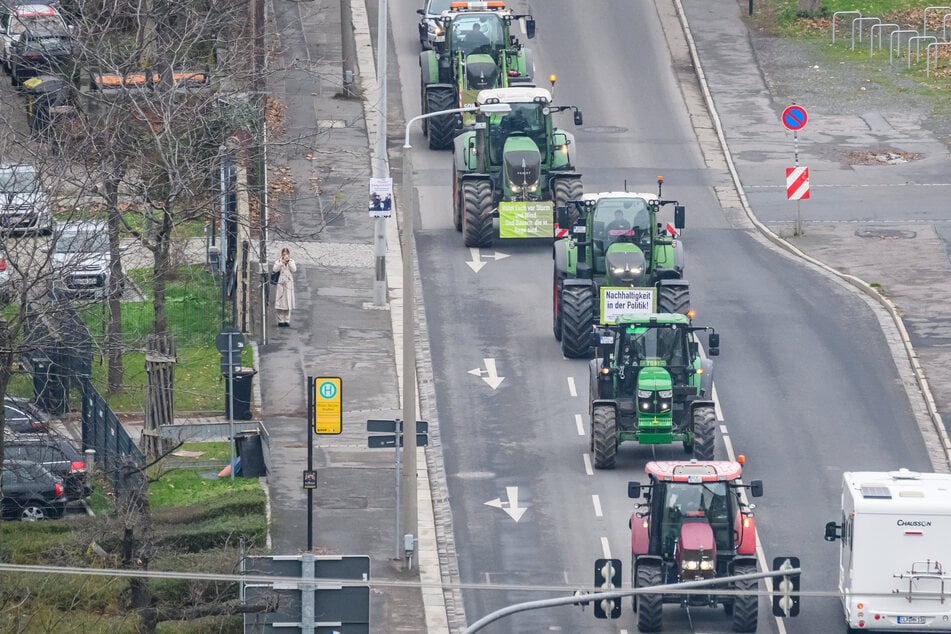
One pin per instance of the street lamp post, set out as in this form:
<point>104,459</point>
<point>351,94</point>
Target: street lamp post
<point>408,508</point>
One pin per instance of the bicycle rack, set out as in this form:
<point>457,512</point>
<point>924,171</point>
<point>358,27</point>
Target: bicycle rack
<point>861,22</point>
<point>871,35</point>
<point>837,14</point>
<point>891,37</point>
<point>917,40</point>
<point>928,56</point>
<point>924,19</point>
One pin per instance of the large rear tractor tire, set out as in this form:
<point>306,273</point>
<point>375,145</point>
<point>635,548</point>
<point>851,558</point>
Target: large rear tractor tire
<point>745,606</point>
<point>565,189</point>
<point>477,229</point>
<point>577,316</point>
<point>440,129</point>
<point>650,607</point>
<point>673,299</point>
<point>556,305</point>
<point>704,432</point>
<point>604,436</point>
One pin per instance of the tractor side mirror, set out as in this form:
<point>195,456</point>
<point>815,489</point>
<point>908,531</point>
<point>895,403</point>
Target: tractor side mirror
<point>756,488</point>
<point>530,28</point>
<point>563,218</point>
<point>713,343</point>
<point>470,148</point>
<point>680,214</point>
<point>694,349</point>
<point>420,12</point>
<point>833,531</point>
<point>633,490</point>
<point>579,118</point>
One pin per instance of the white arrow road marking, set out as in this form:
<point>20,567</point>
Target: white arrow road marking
<point>489,375</point>
<point>498,255</point>
<point>512,508</point>
<point>476,262</point>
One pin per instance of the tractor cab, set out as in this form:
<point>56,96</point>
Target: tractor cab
<point>698,521</point>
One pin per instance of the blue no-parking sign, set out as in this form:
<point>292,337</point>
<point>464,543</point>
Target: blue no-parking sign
<point>794,118</point>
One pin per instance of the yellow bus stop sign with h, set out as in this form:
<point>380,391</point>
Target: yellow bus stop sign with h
<point>327,405</point>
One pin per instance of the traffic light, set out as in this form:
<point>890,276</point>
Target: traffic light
<point>786,588</point>
<point>607,577</point>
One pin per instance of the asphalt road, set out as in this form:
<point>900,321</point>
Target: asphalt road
<point>806,383</point>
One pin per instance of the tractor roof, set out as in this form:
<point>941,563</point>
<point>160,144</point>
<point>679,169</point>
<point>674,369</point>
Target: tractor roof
<point>521,94</point>
<point>695,471</point>
<point>659,318</point>
<point>621,195</point>
<point>468,8</point>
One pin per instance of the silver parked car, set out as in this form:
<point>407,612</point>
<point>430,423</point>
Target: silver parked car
<point>81,258</point>
<point>24,201</point>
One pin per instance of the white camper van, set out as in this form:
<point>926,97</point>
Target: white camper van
<point>895,556</point>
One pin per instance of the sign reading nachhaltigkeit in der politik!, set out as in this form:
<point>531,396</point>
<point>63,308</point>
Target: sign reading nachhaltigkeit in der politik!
<point>381,197</point>
<point>618,302</point>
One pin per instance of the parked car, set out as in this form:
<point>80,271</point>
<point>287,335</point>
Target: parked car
<point>6,281</point>
<point>22,418</point>
<point>15,18</point>
<point>57,455</point>
<point>24,200</point>
<point>81,258</point>
<point>430,27</point>
<point>30,492</point>
<point>40,48</point>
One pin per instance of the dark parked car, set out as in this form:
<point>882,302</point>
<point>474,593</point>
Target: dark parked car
<point>23,417</point>
<point>57,455</point>
<point>40,48</point>
<point>31,492</point>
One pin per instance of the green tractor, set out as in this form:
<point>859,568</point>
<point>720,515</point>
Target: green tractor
<point>476,52</point>
<point>515,166</point>
<point>649,384</point>
<point>616,241</point>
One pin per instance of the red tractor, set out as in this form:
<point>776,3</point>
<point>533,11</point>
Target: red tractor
<point>694,525</point>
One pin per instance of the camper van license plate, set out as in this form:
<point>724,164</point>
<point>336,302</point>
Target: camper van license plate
<point>911,620</point>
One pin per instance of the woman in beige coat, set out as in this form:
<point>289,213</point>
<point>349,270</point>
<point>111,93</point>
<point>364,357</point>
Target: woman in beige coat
<point>284,293</point>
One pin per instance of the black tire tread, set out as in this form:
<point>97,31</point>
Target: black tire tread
<point>577,316</point>
<point>650,607</point>
<point>673,299</point>
<point>441,128</point>
<point>745,606</point>
<point>604,436</point>
<point>704,432</point>
<point>477,229</point>
<point>565,189</point>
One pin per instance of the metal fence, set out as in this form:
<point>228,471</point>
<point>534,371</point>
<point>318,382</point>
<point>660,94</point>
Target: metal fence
<point>116,453</point>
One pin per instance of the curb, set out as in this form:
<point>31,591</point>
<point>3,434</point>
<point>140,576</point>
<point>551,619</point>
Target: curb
<point>857,283</point>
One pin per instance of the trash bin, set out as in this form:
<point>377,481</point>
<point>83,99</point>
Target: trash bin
<point>242,394</point>
<point>249,449</point>
<point>50,388</point>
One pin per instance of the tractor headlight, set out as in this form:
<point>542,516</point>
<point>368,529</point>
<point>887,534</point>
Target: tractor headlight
<point>533,187</point>
<point>516,188</point>
<point>690,564</point>
<point>644,394</point>
<point>706,564</point>
<point>666,393</point>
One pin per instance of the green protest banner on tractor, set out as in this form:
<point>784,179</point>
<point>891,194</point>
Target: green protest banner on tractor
<point>523,219</point>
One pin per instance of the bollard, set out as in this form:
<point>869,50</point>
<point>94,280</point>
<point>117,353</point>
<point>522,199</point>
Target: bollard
<point>90,461</point>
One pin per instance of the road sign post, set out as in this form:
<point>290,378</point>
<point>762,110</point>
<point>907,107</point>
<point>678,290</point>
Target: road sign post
<point>230,342</point>
<point>394,438</point>
<point>795,118</point>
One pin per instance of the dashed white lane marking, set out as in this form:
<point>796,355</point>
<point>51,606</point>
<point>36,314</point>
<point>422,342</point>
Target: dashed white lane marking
<point>723,429</point>
<point>596,500</point>
<point>580,424</point>
<point>606,548</point>
<point>716,403</point>
<point>571,386</point>
<point>587,464</point>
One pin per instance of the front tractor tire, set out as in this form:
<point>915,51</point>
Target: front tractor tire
<point>673,299</point>
<point>456,204</point>
<point>650,607</point>
<point>745,606</point>
<point>477,228</point>
<point>556,305</point>
<point>577,316</point>
<point>704,432</point>
<point>441,129</point>
<point>563,190</point>
<point>604,436</point>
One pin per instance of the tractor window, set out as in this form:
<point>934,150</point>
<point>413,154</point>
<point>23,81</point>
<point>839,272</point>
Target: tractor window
<point>477,34</point>
<point>615,217</point>
<point>710,500</point>
<point>658,343</point>
<point>525,119</point>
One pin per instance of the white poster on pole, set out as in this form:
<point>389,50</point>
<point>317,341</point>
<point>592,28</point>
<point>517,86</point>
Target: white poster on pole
<point>381,197</point>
